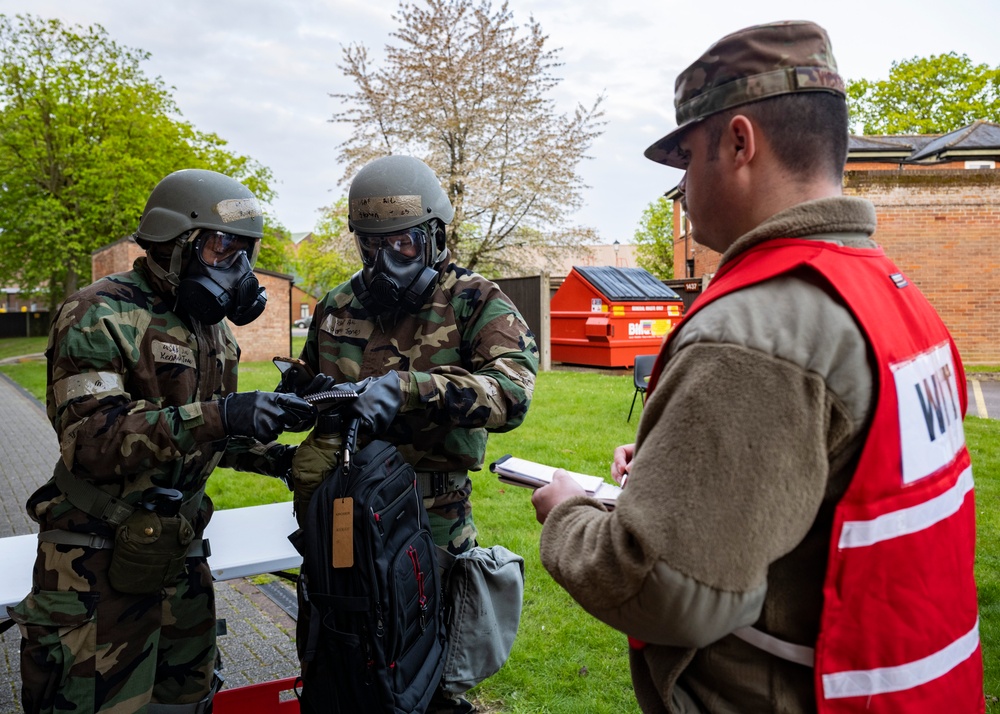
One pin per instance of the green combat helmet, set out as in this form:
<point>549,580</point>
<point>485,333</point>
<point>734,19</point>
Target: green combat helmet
<point>397,211</point>
<point>396,192</point>
<point>197,198</point>
<point>222,220</point>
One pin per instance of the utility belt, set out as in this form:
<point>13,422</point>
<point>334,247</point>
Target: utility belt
<point>434,483</point>
<point>199,548</point>
<point>152,539</point>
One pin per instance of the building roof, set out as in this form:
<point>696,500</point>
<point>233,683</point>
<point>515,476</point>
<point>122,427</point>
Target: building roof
<point>981,139</point>
<point>905,143</point>
<point>980,136</point>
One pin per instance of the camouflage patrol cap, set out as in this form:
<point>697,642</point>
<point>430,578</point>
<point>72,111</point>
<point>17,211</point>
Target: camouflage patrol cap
<point>749,65</point>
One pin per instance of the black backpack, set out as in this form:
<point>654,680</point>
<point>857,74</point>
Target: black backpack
<point>376,638</point>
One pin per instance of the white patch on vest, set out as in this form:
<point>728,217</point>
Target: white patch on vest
<point>930,420</point>
<point>347,327</point>
<point>173,354</point>
<point>379,208</point>
<point>858,534</point>
<point>869,682</point>
<point>235,209</point>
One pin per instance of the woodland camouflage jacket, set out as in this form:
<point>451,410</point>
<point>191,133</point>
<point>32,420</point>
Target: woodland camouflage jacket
<point>132,393</point>
<point>467,364</point>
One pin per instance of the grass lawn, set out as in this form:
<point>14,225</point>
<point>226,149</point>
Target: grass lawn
<point>563,660</point>
<point>17,346</point>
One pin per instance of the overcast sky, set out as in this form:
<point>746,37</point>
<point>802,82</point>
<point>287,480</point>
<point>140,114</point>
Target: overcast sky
<point>259,72</point>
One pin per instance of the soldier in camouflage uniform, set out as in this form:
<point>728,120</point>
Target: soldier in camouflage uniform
<point>141,379</point>
<point>440,356</point>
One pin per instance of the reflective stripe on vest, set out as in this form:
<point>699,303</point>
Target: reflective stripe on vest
<point>858,534</point>
<point>869,682</point>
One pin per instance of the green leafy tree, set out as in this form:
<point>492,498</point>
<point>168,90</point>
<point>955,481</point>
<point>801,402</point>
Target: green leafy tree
<point>84,137</point>
<point>467,91</point>
<point>654,239</point>
<point>330,257</point>
<point>276,251</point>
<point>926,95</point>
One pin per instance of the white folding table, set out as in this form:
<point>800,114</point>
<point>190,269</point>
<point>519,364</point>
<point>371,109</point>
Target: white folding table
<point>244,541</point>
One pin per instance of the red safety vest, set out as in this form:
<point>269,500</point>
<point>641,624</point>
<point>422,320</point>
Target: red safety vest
<point>899,629</point>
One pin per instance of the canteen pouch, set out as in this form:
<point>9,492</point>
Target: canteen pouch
<point>149,552</point>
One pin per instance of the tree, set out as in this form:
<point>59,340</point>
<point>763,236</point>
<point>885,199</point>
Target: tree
<point>654,239</point>
<point>84,137</point>
<point>932,95</point>
<point>468,93</point>
<point>330,257</point>
<point>276,249</point>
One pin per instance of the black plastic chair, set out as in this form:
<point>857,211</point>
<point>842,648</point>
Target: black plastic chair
<point>640,376</point>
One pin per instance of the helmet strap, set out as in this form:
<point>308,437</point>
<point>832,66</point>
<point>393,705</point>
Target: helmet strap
<point>439,245</point>
<point>173,276</point>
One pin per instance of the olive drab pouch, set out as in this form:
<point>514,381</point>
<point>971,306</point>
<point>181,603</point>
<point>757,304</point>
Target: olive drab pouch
<point>149,551</point>
<point>484,591</point>
<point>315,458</point>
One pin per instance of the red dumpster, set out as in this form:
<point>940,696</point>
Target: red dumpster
<point>604,317</point>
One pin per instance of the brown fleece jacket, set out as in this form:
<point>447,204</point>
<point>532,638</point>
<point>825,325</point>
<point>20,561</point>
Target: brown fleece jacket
<point>742,452</point>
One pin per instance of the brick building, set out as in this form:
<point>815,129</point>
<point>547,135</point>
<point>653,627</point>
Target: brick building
<point>303,304</point>
<point>267,336</point>
<point>937,198</point>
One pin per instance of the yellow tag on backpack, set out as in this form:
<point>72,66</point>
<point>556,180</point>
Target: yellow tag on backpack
<point>343,533</point>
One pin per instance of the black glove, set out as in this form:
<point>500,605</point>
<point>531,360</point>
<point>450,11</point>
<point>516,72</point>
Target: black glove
<point>379,401</point>
<point>294,380</point>
<point>264,415</point>
<point>280,456</point>
<point>320,383</point>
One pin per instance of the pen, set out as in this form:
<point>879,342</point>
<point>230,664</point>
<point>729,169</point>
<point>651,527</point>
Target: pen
<point>624,477</point>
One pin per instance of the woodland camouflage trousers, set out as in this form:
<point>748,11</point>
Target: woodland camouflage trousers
<point>450,516</point>
<point>86,647</point>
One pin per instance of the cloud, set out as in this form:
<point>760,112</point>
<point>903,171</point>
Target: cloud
<point>259,73</point>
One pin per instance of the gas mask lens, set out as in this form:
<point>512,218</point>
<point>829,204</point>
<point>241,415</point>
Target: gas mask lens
<point>220,250</point>
<point>403,246</point>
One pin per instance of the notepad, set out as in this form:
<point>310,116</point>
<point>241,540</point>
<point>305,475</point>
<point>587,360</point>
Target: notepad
<point>531,474</point>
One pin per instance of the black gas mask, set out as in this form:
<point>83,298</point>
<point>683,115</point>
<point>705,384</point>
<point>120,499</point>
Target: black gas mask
<point>220,282</point>
<point>396,268</point>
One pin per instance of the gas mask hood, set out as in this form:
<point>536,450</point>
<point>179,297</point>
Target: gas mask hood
<point>397,271</point>
<point>209,293</point>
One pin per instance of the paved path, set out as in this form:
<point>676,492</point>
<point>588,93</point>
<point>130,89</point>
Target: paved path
<point>984,396</point>
<point>260,646</point>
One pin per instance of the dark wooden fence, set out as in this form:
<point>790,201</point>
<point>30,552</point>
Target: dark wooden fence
<point>24,324</point>
<point>531,297</point>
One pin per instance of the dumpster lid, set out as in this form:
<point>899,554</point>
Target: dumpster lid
<point>626,284</point>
